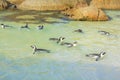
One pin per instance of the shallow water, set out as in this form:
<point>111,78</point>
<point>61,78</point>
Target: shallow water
<point>18,62</point>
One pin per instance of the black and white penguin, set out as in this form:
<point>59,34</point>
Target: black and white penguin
<point>40,27</point>
<point>70,44</point>
<point>35,49</point>
<point>104,33</point>
<point>60,39</point>
<point>4,26</point>
<point>26,26</point>
<point>96,56</point>
<point>78,30</point>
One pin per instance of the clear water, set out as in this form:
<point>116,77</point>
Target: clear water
<point>18,63</point>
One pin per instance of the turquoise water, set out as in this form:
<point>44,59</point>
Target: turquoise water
<point>18,63</point>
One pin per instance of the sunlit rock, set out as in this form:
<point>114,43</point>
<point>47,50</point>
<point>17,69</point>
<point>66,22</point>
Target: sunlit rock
<point>48,4</point>
<point>86,13</point>
<point>106,4</point>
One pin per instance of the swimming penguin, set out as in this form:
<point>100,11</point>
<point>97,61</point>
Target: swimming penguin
<point>78,30</point>
<point>70,44</point>
<point>96,56</point>
<point>26,26</point>
<point>60,39</point>
<point>104,33</point>
<point>40,27</point>
<point>35,49</point>
<point>4,26</point>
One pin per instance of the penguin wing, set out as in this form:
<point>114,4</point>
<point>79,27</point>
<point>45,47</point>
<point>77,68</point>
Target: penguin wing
<point>97,58</point>
<point>91,55</point>
<point>53,38</point>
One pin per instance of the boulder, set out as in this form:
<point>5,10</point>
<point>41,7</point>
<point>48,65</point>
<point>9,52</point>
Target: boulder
<point>106,4</point>
<point>89,13</point>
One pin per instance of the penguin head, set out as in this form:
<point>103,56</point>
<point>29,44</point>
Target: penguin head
<point>62,38</point>
<point>75,42</point>
<point>33,46</point>
<point>103,53</point>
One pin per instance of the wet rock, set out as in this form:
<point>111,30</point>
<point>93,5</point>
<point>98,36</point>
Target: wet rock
<point>106,4</point>
<point>89,13</point>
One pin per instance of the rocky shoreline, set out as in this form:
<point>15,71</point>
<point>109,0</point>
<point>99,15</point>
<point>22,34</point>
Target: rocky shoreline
<point>82,10</point>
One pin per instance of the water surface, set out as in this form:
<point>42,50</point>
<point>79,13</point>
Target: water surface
<point>18,62</point>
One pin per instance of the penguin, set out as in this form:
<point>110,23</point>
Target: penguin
<point>60,39</point>
<point>104,33</point>
<point>96,56</point>
<point>35,49</point>
<point>4,26</point>
<point>26,26</point>
<point>40,27</point>
<point>78,30</point>
<point>70,44</point>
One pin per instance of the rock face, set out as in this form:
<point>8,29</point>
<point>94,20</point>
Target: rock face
<point>48,4</point>
<point>106,4</point>
<point>16,2</point>
<point>89,13</point>
<point>74,9</point>
<point>3,4</point>
<point>61,4</point>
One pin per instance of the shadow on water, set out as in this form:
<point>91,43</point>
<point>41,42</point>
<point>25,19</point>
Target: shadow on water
<point>36,17</point>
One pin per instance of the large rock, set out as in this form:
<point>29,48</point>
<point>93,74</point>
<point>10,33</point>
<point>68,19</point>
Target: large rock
<point>48,4</point>
<point>89,13</point>
<point>106,4</point>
